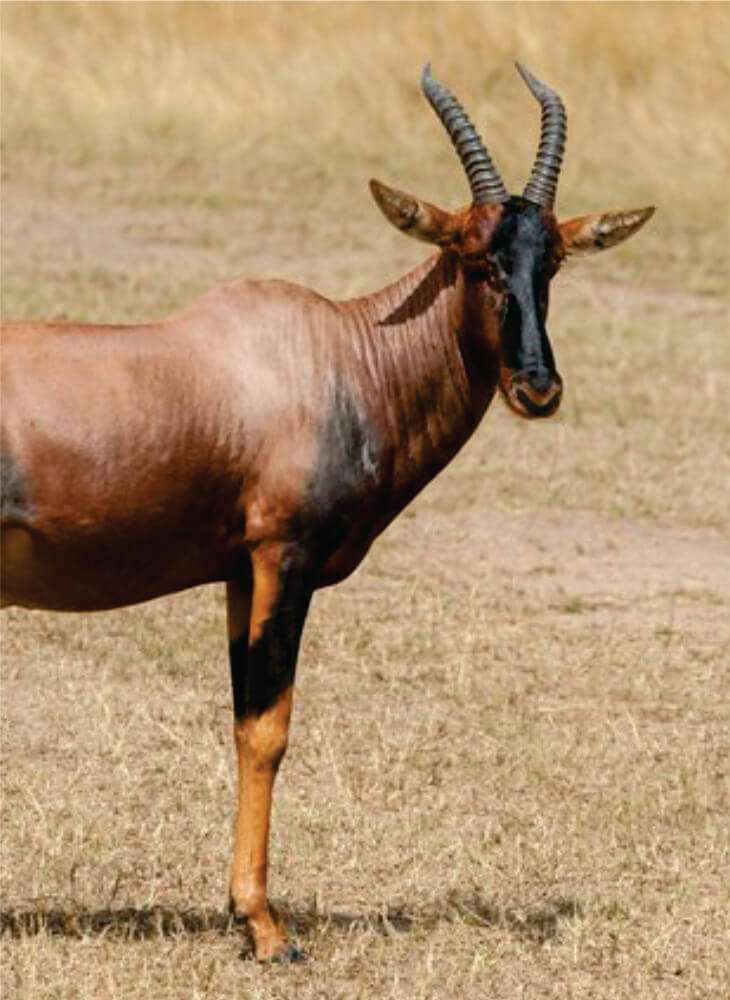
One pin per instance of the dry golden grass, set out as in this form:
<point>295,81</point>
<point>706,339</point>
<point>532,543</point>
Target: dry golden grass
<point>508,773</point>
<point>253,84</point>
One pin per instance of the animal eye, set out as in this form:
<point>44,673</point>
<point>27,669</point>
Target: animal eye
<point>486,269</point>
<point>494,274</point>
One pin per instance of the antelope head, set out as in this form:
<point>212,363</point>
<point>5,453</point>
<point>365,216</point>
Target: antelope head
<point>511,246</point>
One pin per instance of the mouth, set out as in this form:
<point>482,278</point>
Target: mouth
<point>532,398</point>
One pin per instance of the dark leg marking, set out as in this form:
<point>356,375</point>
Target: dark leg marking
<point>263,669</point>
<point>15,504</point>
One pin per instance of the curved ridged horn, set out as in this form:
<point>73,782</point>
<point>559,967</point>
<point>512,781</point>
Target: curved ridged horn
<point>485,183</point>
<point>543,180</point>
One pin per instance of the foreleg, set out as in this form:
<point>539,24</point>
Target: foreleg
<point>264,634</point>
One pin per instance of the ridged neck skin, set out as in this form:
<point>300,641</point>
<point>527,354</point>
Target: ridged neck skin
<point>426,355</point>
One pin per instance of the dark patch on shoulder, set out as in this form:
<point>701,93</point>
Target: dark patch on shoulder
<point>347,468</point>
<point>15,503</point>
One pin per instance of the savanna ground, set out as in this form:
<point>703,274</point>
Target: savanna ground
<point>508,769</point>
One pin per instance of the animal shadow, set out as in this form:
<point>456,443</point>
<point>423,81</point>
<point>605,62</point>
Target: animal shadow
<point>536,924</point>
<point>126,923</point>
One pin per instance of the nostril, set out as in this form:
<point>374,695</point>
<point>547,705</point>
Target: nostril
<point>541,382</point>
<point>537,404</point>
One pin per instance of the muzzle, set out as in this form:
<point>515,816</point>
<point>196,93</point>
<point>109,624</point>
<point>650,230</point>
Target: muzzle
<point>531,395</point>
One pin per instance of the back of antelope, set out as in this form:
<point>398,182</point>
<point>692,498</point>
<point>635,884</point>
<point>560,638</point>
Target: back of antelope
<point>265,436</point>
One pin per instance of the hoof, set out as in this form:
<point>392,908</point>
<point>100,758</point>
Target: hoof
<point>266,939</point>
<point>290,955</point>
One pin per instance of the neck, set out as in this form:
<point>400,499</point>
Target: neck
<point>427,351</point>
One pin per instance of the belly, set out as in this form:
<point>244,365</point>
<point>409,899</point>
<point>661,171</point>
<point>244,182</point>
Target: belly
<point>84,534</point>
<point>99,573</point>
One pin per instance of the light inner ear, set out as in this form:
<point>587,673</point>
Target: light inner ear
<point>415,217</point>
<point>591,233</point>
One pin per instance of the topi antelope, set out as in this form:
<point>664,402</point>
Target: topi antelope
<point>265,436</point>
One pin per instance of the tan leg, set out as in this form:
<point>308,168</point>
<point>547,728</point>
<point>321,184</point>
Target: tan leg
<point>264,648</point>
<point>260,744</point>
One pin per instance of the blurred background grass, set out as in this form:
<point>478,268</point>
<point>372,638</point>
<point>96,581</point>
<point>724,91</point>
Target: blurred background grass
<point>281,86</point>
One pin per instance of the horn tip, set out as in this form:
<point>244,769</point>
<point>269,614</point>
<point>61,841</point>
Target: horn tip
<point>426,72</point>
<point>529,78</point>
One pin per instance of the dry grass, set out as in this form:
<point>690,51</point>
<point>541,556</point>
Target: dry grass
<point>509,765</point>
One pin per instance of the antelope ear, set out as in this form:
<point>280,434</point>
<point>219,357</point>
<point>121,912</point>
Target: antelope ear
<point>415,217</point>
<point>590,233</point>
